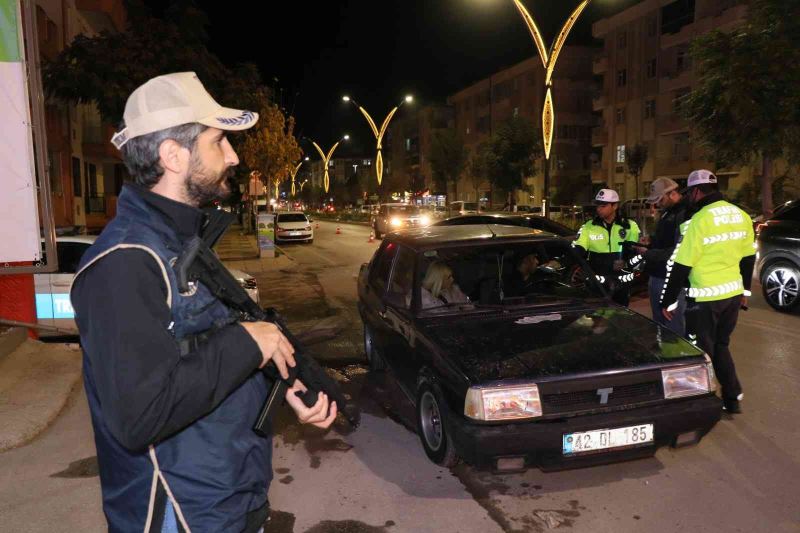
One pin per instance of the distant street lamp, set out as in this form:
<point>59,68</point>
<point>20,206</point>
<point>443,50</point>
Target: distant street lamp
<point>294,173</point>
<point>549,59</point>
<point>327,158</point>
<point>379,132</point>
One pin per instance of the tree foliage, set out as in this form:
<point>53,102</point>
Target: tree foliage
<point>514,145</point>
<point>270,147</point>
<point>635,159</point>
<point>746,103</point>
<point>448,157</point>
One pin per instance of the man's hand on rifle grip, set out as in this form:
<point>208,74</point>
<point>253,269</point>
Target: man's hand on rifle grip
<point>318,414</point>
<point>273,345</point>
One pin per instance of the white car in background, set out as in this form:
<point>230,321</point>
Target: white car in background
<point>293,226</point>
<point>53,307</point>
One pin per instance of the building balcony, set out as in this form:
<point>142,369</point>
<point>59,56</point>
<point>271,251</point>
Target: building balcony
<point>600,65</point>
<point>98,146</point>
<point>728,17</point>
<point>669,124</point>
<point>676,80</point>
<point>599,102</point>
<point>599,173</point>
<point>673,166</point>
<point>599,135</point>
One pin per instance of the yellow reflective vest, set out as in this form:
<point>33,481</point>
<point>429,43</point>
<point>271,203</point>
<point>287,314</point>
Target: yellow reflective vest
<point>603,244</point>
<point>713,243</point>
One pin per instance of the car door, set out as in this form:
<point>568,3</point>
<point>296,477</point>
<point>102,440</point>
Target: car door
<point>373,295</point>
<point>399,347</point>
<point>69,256</point>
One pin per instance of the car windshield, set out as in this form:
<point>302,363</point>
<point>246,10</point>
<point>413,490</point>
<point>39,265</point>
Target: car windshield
<point>292,217</point>
<point>470,206</point>
<point>407,210</point>
<point>503,276</point>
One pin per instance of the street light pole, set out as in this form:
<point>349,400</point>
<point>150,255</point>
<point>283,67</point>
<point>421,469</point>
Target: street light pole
<point>326,158</point>
<point>379,132</point>
<point>549,59</point>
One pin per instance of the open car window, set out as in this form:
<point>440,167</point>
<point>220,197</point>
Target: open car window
<point>400,287</point>
<point>514,275</point>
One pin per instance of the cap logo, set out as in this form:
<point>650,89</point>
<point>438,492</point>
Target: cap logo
<point>601,194</point>
<point>244,118</point>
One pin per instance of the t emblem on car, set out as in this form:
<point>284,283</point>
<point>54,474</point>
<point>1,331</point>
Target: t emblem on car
<point>603,393</point>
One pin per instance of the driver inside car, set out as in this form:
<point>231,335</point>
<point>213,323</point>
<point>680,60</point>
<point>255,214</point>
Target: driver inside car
<point>529,275</point>
<point>439,287</point>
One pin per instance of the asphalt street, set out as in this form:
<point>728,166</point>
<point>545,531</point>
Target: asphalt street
<point>742,477</point>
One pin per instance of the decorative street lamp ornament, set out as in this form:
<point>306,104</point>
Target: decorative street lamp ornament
<point>294,173</point>
<point>378,132</point>
<point>326,159</point>
<point>548,119</point>
<point>549,59</point>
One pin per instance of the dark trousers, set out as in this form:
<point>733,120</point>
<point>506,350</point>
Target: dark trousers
<point>710,325</point>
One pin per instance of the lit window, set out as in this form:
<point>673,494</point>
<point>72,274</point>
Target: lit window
<point>620,153</point>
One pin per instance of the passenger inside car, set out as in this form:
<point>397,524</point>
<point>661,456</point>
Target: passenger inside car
<point>439,287</point>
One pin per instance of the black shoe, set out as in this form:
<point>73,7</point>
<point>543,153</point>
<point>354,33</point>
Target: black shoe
<point>732,407</point>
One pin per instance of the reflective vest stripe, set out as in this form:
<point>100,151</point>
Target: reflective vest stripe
<point>716,290</point>
<point>722,237</point>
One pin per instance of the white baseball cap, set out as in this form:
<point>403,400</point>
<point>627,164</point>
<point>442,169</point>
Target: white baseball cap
<point>700,177</point>
<point>660,187</point>
<point>172,100</point>
<point>606,196</point>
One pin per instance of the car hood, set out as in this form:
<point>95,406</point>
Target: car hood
<point>544,343</point>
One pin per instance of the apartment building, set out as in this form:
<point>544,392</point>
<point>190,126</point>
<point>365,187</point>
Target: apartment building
<point>85,170</point>
<point>343,173</point>
<point>408,144</point>
<point>519,91</point>
<point>643,71</point>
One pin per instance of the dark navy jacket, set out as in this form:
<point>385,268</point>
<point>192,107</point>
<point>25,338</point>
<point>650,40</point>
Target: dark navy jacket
<point>216,471</point>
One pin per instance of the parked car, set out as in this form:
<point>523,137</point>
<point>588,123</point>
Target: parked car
<point>391,217</point>
<point>53,306</point>
<point>293,226</point>
<point>778,257</point>
<point>556,377</point>
<point>463,208</point>
<point>512,219</point>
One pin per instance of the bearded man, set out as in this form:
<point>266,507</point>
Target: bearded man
<point>173,419</point>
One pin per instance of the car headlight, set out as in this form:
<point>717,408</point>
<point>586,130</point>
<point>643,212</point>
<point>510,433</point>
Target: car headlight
<point>503,403</point>
<point>688,380</point>
<point>397,222</point>
<point>425,220</point>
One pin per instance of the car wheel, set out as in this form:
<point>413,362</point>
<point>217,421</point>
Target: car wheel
<point>779,284</point>
<point>374,359</point>
<point>431,413</point>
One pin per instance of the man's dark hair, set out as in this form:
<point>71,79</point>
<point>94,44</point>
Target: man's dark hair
<point>707,188</point>
<point>140,154</point>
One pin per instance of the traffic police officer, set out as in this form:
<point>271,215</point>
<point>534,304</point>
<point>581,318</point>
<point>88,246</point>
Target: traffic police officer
<point>602,239</point>
<point>716,254</point>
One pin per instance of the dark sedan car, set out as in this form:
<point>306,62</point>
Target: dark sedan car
<point>778,257</point>
<point>512,360</point>
<point>510,219</point>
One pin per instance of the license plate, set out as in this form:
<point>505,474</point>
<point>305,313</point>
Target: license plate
<point>606,439</point>
<point>294,233</point>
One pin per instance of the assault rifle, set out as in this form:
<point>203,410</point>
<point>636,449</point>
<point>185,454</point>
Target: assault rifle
<point>198,263</point>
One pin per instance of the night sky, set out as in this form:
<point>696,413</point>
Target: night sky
<point>379,50</point>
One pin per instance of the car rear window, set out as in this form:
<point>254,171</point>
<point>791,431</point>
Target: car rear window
<point>403,210</point>
<point>292,217</point>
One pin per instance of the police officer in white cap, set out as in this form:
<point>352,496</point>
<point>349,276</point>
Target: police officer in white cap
<point>716,255</point>
<point>603,240</point>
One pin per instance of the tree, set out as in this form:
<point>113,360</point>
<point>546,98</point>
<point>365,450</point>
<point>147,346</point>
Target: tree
<point>635,159</point>
<point>482,163</point>
<point>448,158</point>
<point>270,146</point>
<point>514,145</point>
<point>573,190</point>
<point>746,104</point>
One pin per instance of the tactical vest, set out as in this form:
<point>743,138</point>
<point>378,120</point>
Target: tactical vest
<point>217,469</point>
<point>713,242</point>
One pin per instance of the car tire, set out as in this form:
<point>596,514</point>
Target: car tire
<point>432,427</point>
<point>779,285</point>
<point>374,359</point>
